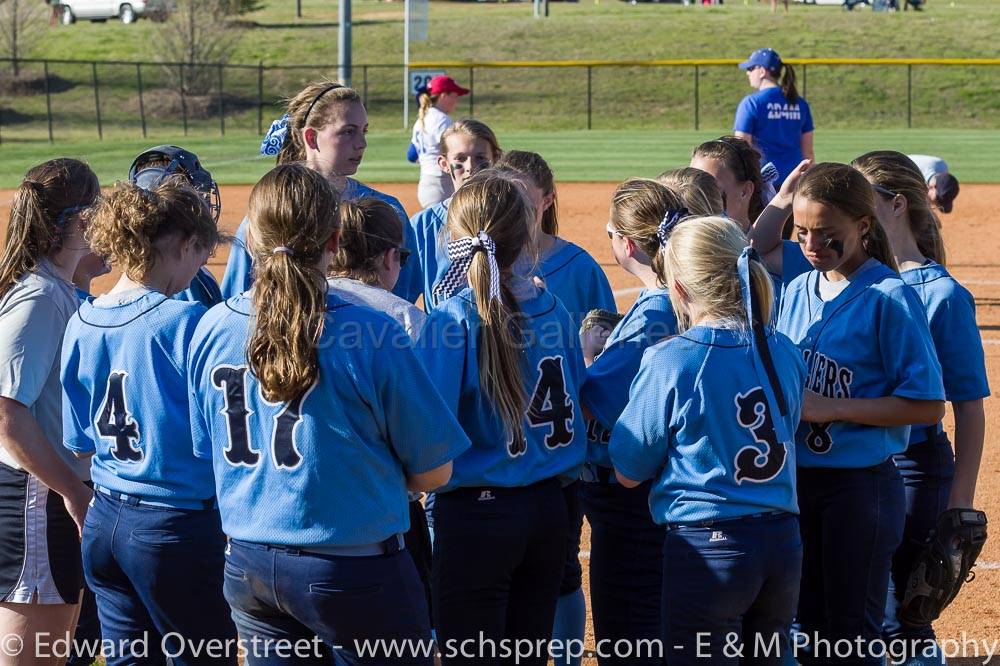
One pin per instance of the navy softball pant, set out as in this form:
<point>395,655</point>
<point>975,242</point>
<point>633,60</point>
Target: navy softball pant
<point>498,564</point>
<point>852,523</point>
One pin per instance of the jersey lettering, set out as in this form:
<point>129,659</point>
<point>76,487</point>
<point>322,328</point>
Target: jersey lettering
<point>827,378</point>
<point>550,404</point>
<point>286,455</point>
<point>116,423</point>
<point>597,433</point>
<point>763,463</point>
<point>232,382</point>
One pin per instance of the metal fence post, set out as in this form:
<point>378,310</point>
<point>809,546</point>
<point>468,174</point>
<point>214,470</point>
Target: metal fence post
<point>48,99</point>
<point>97,102</point>
<point>805,79</point>
<point>472,94</point>
<point>142,106</point>
<point>909,96</point>
<point>222,111</point>
<point>364,89</point>
<point>590,72</point>
<point>260,97</point>
<point>697,86</point>
<point>184,107</point>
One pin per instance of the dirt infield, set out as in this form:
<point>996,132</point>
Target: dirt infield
<point>973,258</point>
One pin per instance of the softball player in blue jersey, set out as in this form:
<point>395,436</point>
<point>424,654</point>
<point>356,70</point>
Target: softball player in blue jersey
<point>504,354</point>
<point>467,147</point>
<point>579,282</point>
<point>317,417</point>
<point>935,478</point>
<point>625,544</point>
<point>324,127</point>
<point>149,169</point>
<point>710,420</point>
<point>872,371</point>
<point>152,540</point>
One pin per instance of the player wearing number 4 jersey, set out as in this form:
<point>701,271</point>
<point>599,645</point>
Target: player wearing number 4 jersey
<point>502,352</point>
<point>152,541</point>
<point>317,417</point>
<point>710,420</point>
<point>872,372</point>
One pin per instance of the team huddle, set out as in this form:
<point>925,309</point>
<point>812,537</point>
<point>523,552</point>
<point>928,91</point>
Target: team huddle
<point>304,455</point>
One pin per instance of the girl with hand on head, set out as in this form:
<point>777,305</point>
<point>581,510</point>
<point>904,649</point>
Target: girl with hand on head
<point>503,353</point>
<point>872,372</point>
<point>43,494</point>
<point>935,477</point>
<point>467,147</point>
<point>436,101</point>
<point>152,540</point>
<point>710,421</point>
<point>625,575</point>
<point>317,416</point>
<point>324,127</point>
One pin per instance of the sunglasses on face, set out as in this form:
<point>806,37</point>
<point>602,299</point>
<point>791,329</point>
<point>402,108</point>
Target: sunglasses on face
<point>612,232</point>
<point>883,191</point>
<point>404,255</point>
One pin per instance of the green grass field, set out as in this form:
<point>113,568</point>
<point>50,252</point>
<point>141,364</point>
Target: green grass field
<point>974,156</point>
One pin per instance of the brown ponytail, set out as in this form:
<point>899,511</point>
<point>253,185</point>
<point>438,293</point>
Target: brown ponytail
<point>536,168</point>
<point>33,231</point>
<point>897,173</point>
<point>293,214</point>
<point>313,107</point>
<point>369,229</point>
<point>637,208</point>
<point>844,188</point>
<point>788,84</point>
<point>425,101</point>
<point>495,204</point>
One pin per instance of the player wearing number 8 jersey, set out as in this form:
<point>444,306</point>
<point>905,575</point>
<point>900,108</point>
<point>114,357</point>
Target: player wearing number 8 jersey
<point>317,416</point>
<point>152,541</point>
<point>872,371</point>
<point>710,419</point>
<point>502,352</point>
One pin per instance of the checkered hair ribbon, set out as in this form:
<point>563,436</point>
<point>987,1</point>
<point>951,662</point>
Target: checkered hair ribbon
<point>461,251</point>
<point>667,224</point>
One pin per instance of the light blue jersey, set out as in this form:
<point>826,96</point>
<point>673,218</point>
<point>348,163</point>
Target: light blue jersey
<point>605,392</point>
<point>870,341</point>
<point>204,289</point>
<point>793,264</point>
<point>427,227</point>
<point>579,282</point>
<point>951,315</point>
<point>239,276</point>
<point>554,428</point>
<point>125,398</point>
<point>328,468</point>
<point>701,421</point>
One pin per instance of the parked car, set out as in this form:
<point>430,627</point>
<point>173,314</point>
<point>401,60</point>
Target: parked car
<point>101,10</point>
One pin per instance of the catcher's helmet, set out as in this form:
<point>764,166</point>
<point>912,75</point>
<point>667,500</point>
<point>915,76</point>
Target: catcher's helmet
<point>181,162</point>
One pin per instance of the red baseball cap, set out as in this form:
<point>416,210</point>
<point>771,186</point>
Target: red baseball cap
<point>445,84</point>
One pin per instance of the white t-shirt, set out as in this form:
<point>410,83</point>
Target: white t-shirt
<point>929,165</point>
<point>33,317</point>
<point>427,137</point>
<point>355,291</point>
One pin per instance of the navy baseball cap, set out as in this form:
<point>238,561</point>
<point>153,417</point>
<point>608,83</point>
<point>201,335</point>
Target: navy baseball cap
<point>766,58</point>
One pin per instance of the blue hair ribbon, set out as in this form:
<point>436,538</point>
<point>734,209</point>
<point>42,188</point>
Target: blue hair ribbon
<point>275,137</point>
<point>671,219</point>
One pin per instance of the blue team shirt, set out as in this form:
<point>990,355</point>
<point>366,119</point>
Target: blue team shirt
<point>701,423</point>
<point>203,289</point>
<point>329,468</point>
<point>793,264</point>
<point>239,277</point>
<point>871,341</point>
<point>776,126</point>
<point>555,434</point>
<point>428,230</point>
<point>951,315</point>
<point>125,397</point>
<point>579,281</point>
<point>605,392</point>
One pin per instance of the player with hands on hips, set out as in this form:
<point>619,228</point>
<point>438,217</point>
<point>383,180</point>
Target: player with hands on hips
<point>43,491</point>
<point>325,127</point>
<point>436,101</point>
<point>710,421</point>
<point>152,540</point>
<point>503,352</point>
<point>626,546</point>
<point>935,478</point>
<point>872,372</point>
<point>317,417</point>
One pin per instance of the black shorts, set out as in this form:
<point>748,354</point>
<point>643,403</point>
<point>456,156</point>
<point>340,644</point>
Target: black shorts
<point>40,558</point>
<point>573,572</point>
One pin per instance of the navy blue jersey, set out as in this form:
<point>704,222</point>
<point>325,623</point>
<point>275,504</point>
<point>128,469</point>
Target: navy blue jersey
<point>125,397</point>
<point>239,277</point>
<point>605,392</point>
<point>429,233</point>
<point>328,468</point>
<point>203,289</point>
<point>871,341</point>
<point>553,371</point>
<point>700,422</point>
<point>951,315</point>
<point>571,273</point>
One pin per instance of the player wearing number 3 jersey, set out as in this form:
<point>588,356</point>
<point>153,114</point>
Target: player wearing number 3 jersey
<point>502,353</point>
